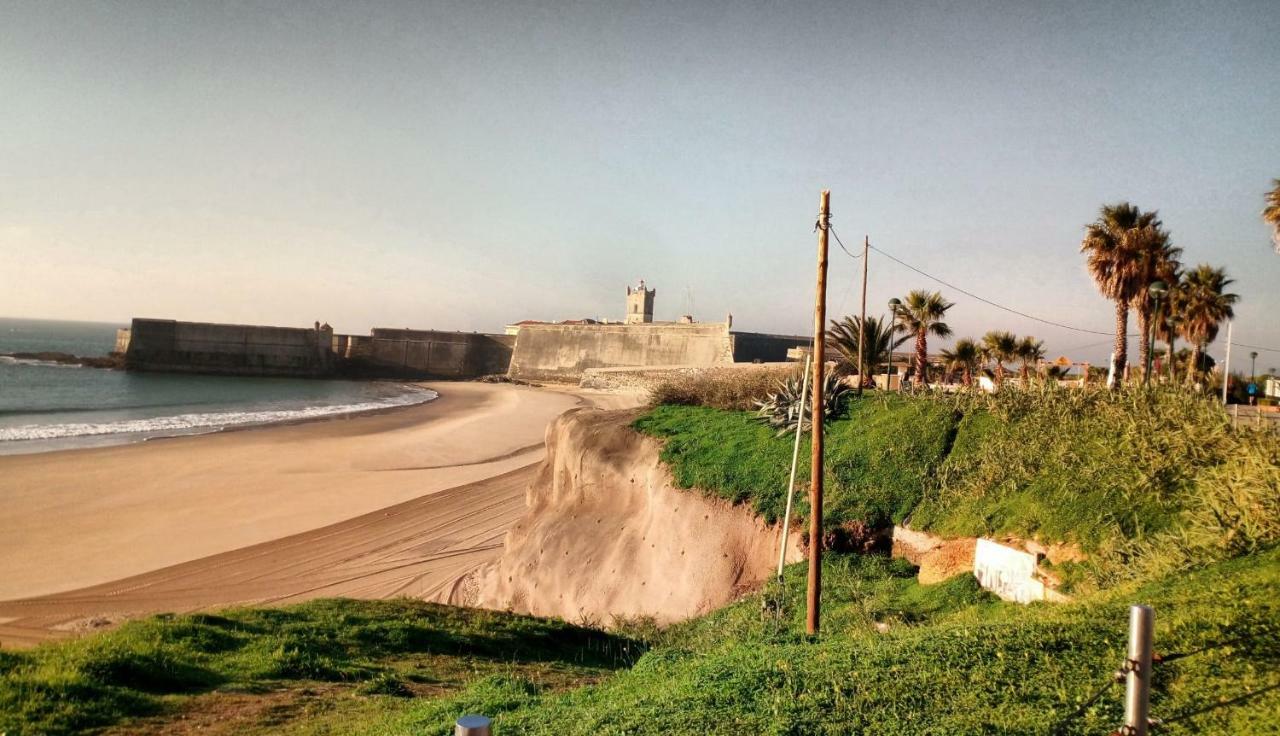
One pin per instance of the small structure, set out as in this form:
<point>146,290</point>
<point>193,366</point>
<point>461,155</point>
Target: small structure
<point>639,305</point>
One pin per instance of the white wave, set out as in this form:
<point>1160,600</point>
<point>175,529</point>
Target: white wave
<point>210,420</point>
<point>10,360</point>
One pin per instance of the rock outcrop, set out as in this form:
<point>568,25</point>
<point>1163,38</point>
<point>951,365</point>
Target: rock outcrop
<point>608,535</point>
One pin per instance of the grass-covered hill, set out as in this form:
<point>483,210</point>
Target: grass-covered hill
<point>1143,481</point>
<point>1177,510</point>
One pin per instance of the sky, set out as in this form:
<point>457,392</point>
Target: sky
<point>467,165</point>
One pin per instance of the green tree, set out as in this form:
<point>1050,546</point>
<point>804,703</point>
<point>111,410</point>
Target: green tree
<point>921,314</point>
<point>1118,246</point>
<point>964,358</point>
<point>999,346</point>
<point>883,337</point>
<point>1205,304</point>
<point>1029,352</point>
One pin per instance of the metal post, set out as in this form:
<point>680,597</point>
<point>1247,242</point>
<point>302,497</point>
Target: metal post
<point>862,323</point>
<point>1226,366</point>
<point>814,592</point>
<point>473,726</point>
<point>1137,695</point>
<point>795,460</point>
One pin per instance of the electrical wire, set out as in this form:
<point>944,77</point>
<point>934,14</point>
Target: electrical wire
<point>841,242</point>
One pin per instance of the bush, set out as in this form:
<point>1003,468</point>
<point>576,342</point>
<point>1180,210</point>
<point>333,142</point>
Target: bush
<point>730,389</point>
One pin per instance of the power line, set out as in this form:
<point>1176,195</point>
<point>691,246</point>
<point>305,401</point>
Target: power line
<point>1256,347</point>
<point>841,242</point>
<point>984,300</point>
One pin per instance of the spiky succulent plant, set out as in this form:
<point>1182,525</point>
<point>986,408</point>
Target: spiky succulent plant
<point>780,408</point>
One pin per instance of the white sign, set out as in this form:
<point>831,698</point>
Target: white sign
<point>1009,573</point>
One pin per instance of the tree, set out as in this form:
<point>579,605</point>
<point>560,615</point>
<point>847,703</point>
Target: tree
<point>883,337</point>
<point>1205,304</point>
<point>1117,250</point>
<point>999,346</point>
<point>1157,261</point>
<point>964,357</point>
<point>1029,351</point>
<point>921,314</point>
<point>1271,213</point>
<point>1168,315</point>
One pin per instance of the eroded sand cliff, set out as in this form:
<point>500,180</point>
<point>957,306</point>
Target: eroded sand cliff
<point>607,534</point>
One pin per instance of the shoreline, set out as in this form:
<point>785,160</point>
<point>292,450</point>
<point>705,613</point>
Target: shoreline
<point>82,517</point>
<point>76,443</point>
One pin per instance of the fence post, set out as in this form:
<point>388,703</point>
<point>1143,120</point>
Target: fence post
<point>1137,696</point>
<point>472,726</point>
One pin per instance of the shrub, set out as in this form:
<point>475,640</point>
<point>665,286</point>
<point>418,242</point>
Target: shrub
<point>731,389</point>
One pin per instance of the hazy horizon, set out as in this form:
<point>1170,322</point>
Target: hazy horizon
<point>462,166</point>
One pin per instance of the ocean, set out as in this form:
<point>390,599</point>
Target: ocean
<point>48,406</point>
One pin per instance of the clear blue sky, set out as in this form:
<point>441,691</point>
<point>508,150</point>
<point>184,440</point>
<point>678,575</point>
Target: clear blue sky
<point>461,166</point>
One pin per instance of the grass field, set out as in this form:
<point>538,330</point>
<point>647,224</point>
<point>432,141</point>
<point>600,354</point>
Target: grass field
<point>1177,509</point>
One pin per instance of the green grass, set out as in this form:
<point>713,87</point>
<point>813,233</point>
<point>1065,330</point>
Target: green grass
<point>1158,474</point>
<point>952,661</point>
<point>880,456</point>
<point>374,648</point>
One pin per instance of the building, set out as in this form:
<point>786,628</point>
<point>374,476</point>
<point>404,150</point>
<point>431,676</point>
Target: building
<point>640,305</point>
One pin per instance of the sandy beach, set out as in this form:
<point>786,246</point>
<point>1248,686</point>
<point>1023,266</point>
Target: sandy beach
<point>85,518</point>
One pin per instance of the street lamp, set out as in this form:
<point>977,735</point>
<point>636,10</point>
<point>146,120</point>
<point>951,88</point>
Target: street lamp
<point>1156,291</point>
<point>894,305</point>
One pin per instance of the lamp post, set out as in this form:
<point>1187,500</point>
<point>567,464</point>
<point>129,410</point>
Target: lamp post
<point>894,304</point>
<point>1156,291</point>
<point>1253,366</point>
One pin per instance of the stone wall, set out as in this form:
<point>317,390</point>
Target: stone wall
<point>404,353</point>
<point>565,352</point>
<point>242,350</point>
<point>758,347</point>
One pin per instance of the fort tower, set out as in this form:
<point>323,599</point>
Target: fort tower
<point>639,304</point>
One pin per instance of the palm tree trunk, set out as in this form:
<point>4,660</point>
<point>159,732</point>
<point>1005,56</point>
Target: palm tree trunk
<point>1144,338</point>
<point>1121,347</point>
<point>1173,374</point>
<point>968,376</point>
<point>1025,371</point>
<point>999,372</point>
<point>1193,363</point>
<point>922,357</point>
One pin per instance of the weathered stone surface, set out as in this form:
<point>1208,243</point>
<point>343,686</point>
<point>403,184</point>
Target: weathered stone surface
<point>954,557</point>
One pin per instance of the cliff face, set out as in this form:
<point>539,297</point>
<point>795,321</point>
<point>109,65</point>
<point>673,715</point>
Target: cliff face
<point>607,534</point>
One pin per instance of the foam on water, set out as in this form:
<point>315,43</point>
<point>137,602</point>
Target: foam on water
<point>184,423</point>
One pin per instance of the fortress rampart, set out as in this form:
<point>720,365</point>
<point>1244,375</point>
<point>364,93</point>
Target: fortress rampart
<point>565,352</point>
<point>242,350</point>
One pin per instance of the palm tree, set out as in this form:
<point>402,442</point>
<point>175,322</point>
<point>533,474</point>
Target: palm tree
<point>883,337</point>
<point>1168,314</point>
<point>1271,213</point>
<point>999,346</point>
<point>1158,261</point>
<point>1029,351</point>
<point>964,357</point>
<point>1113,244</point>
<point>921,314</point>
<point>1205,304</point>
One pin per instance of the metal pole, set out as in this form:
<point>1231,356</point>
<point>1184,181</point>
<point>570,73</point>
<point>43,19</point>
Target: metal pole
<point>1151,341</point>
<point>473,726</point>
<point>1137,695</point>
<point>795,460</point>
<point>816,415</point>
<point>862,323</point>
<point>1226,366</point>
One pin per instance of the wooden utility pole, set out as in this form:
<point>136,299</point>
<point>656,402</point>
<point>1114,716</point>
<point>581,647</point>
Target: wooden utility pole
<point>816,417</point>
<point>862,321</point>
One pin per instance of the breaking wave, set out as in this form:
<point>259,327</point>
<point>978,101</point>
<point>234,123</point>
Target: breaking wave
<point>184,423</point>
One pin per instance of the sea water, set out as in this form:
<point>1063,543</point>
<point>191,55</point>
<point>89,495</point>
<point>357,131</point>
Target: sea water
<point>49,406</point>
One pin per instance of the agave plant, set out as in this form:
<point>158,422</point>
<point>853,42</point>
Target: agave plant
<point>781,408</point>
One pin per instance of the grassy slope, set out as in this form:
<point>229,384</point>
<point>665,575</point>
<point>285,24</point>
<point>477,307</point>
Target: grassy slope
<point>372,648</point>
<point>879,456</point>
<point>951,662</point>
<point>1098,468</point>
